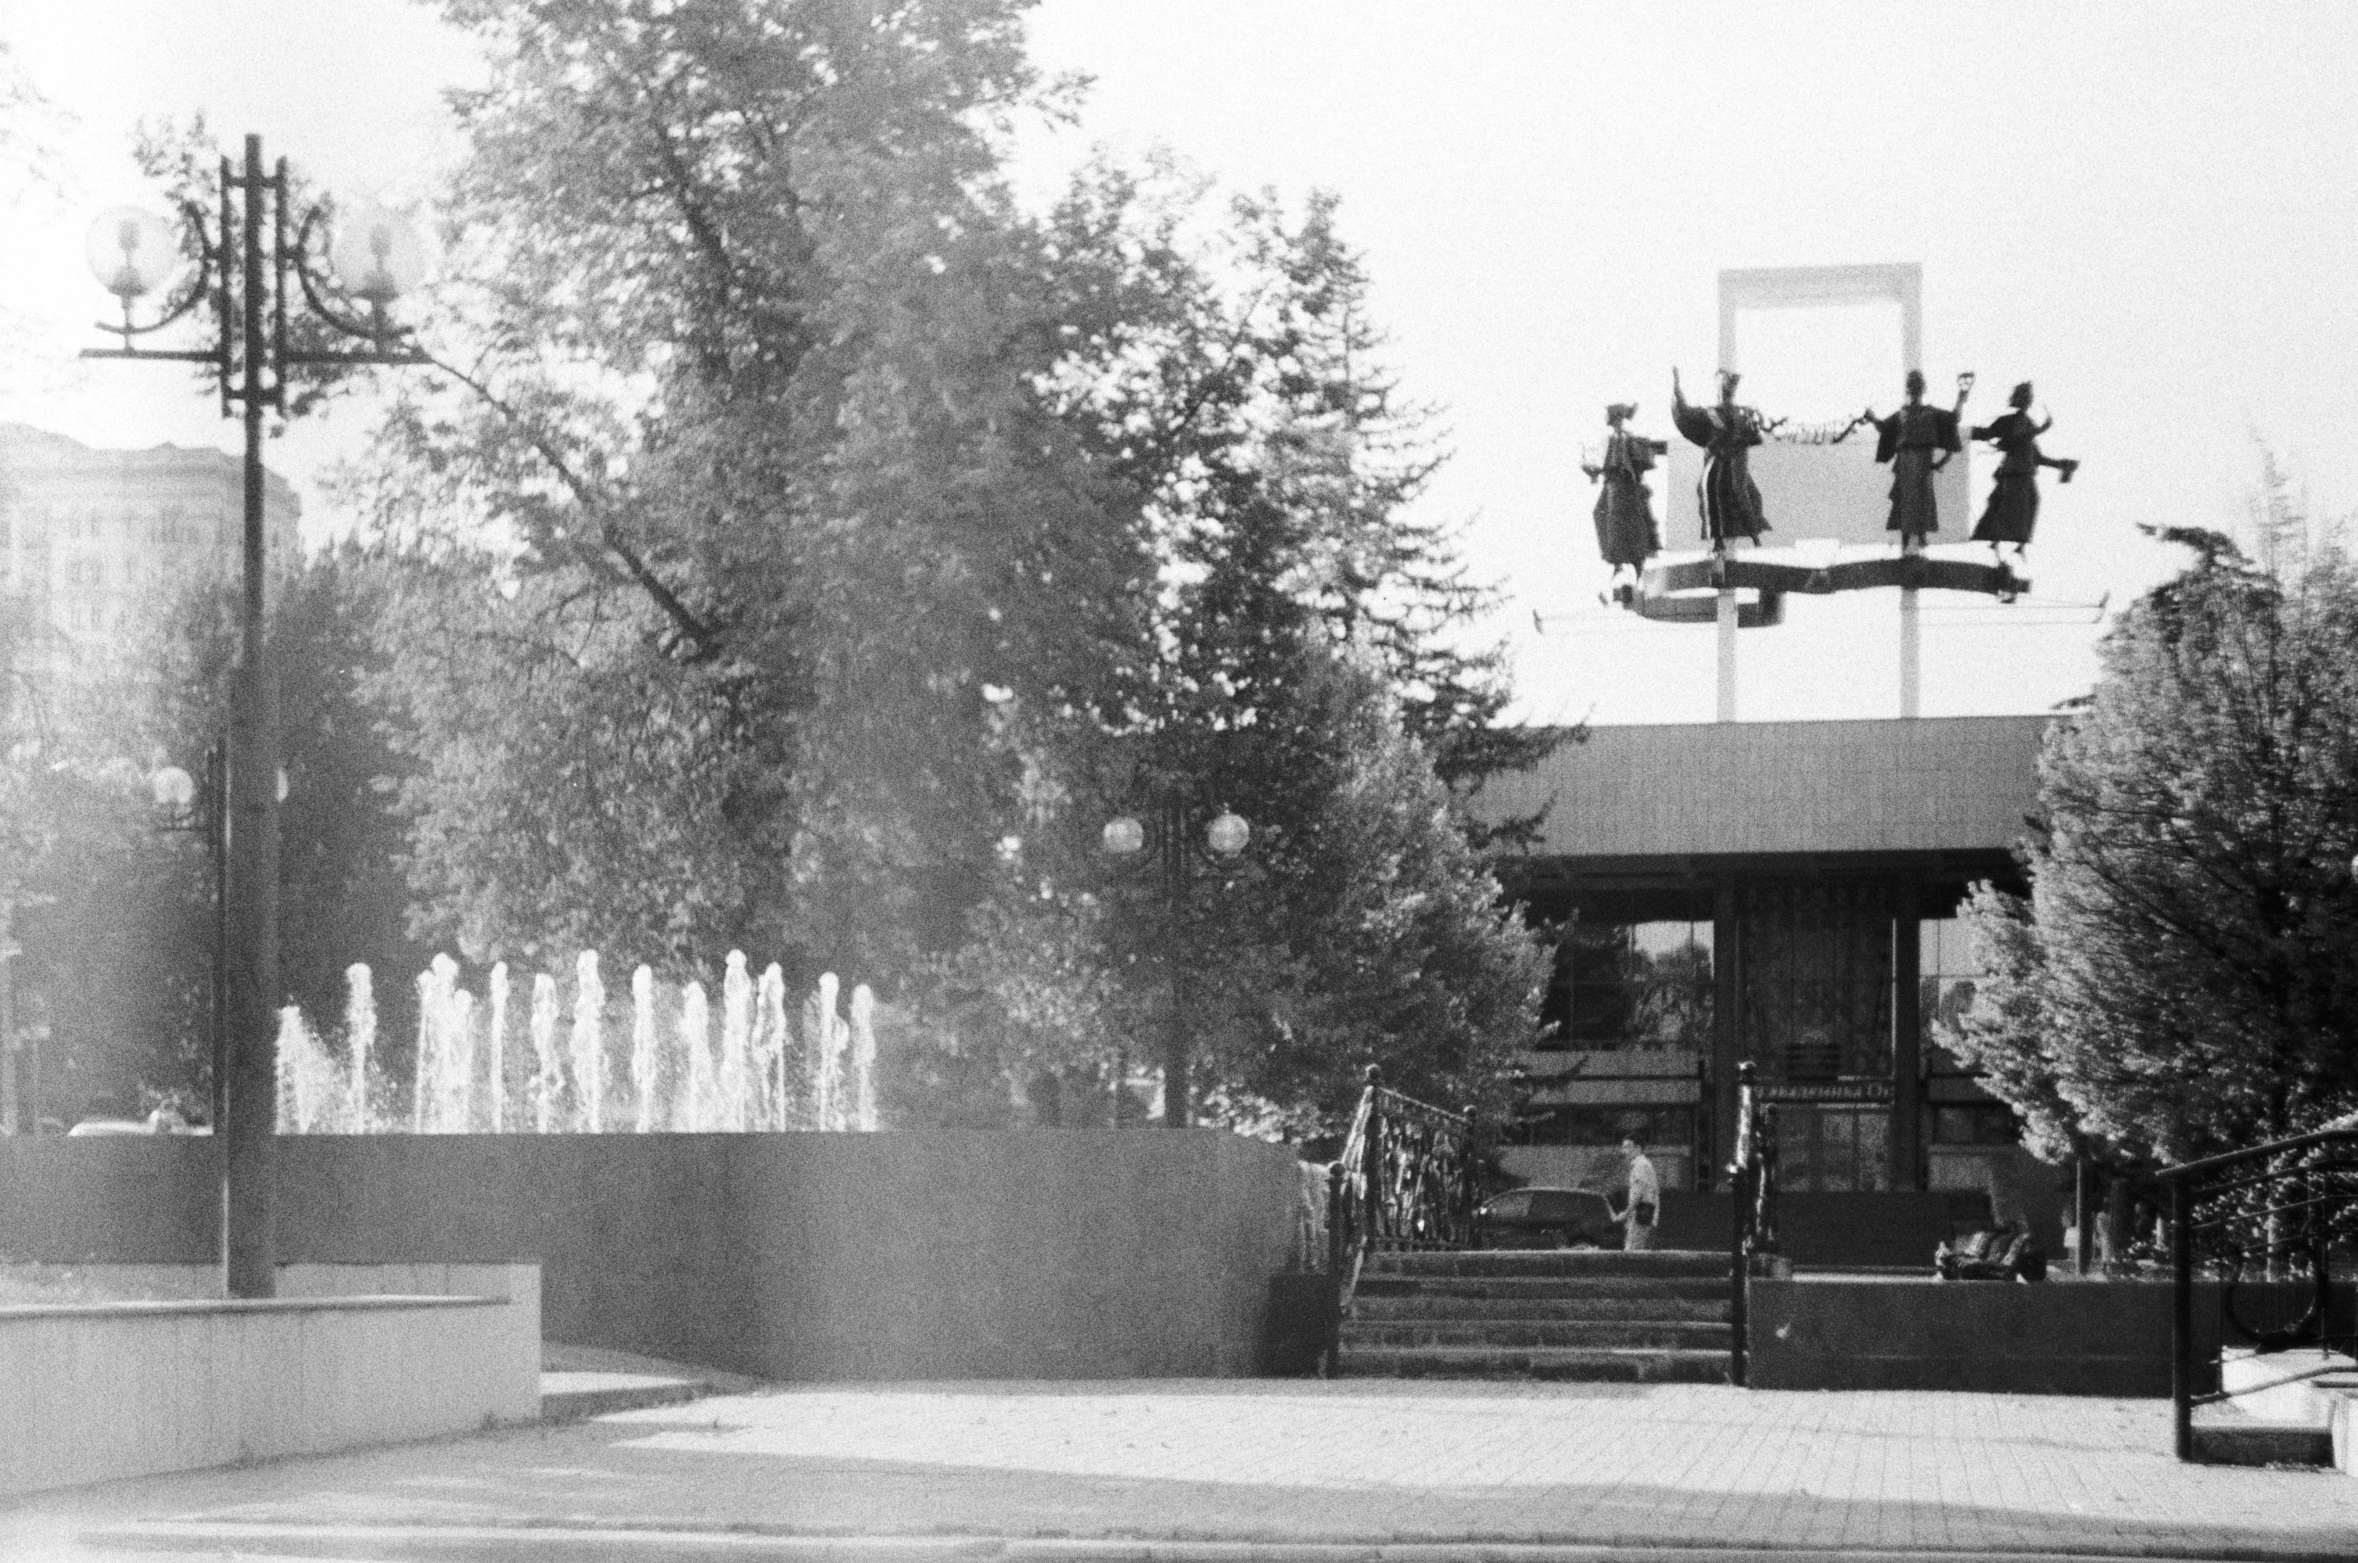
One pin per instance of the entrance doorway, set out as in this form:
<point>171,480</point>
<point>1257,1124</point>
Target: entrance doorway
<point>1833,1149</point>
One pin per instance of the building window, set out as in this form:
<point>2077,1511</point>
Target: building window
<point>1975,1123</point>
<point>1631,985</point>
<point>1817,978</point>
<point>1833,1150</point>
<point>1951,978</point>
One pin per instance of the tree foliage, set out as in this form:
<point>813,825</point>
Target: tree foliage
<point>774,502</point>
<point>2179,981</point>
<point>814,549</point>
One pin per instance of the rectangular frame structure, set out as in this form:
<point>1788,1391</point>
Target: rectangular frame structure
<point>1813,492</point>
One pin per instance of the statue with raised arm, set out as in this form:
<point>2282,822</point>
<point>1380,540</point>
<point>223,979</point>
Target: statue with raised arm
<point>1727,496</point>
<point>1626,533</point>
<point>2013,510</point>
<point>1917,441</point>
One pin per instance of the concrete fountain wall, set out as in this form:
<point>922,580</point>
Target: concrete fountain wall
<point>136,1370</point>
<point>1051,1254</point>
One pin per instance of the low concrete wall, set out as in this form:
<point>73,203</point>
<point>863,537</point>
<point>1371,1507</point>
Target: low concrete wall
<point>2059,1338</point>
<point>1049,1254</point>
<point>99,1390</point>
<point>1892,1229</point>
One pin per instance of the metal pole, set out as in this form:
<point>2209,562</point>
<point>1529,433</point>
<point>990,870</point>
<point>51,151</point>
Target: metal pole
<point>1727,654</point>
<point>2083,1218</point>
<point>1739,1275</point>
<point>8,1049</point>
<point>249,1249</point>
<point>217,848</point>
<point>2182,1315</point>
<point>1910,654</point>
<point>1175,1043</point>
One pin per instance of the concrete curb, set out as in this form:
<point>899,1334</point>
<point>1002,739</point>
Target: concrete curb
<point>508,1544</point>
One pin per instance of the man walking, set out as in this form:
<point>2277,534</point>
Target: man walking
<point>1645,1197</point>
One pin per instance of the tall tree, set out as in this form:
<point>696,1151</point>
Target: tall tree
<point>776,502</point>
<point>1299,672</point>
<point>2180,980</point>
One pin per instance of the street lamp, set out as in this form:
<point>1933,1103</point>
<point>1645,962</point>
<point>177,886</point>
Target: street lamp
<point>255,273</point>
<point>1224,836</point>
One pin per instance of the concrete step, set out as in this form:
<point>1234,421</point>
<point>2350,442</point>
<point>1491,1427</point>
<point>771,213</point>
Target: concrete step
<point>2263,1443</point>
<point>1521,1288</point>
<point>585,1381</point>
<point>1582,1364</point>
<point>570,1397</point>
<point>1712,1307</point>
<point>1618,1335</point>
<point>1570,1264</point>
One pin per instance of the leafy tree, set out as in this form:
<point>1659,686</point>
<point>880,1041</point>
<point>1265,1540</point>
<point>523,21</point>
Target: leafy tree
<point>774,506</point>
<point>820,550</point>
<point>343,891</point>
<point>2179,981</point>
<point>1297,671</point>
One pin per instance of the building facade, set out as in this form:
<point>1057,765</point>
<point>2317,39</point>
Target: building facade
<point>94,545</point>
<point>91,541</point>
<point>1780,892</point>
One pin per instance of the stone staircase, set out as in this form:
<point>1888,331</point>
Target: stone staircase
<point>1651,1317</point>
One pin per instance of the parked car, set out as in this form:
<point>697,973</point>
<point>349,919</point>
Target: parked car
<point>164,1120</point>
<point>1546,1218</point>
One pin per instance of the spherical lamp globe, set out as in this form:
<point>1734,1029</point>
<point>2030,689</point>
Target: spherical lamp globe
<point>173,788</point>
<point>1228,834</point>
<point>132,252</point>
<point>378,254</point>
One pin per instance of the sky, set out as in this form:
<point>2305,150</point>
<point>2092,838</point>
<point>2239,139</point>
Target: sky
<point>2146,208</point>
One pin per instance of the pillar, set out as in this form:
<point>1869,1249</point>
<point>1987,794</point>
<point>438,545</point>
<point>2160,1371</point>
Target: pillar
<point>1726,1042</point>
<point>1907,1035</point>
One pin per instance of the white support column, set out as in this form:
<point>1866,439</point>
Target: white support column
<point>1910,676</point>
<point>1727,653</point>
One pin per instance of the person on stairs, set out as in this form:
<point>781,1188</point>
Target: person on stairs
<point>1645,1197</point>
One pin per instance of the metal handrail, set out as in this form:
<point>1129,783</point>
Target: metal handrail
<point>1752,1187</point>
<point>1409,1177</point>
<point>2282,1210</point>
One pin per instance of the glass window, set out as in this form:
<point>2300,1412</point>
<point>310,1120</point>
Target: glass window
<point>1832,1149</point>
<point>1631,985</point>
<point>1951,978</point>
<point>1978,1123</point>
<point>1817,978</point>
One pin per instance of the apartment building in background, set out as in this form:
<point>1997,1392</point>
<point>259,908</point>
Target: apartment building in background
<point>94,542</point>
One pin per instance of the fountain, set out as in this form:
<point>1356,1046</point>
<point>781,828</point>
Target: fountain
<point>760,1079</point>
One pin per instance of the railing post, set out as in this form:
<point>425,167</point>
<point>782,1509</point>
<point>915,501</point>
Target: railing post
<point>1739,1267</point>
<point>2182,1314</point>
<point>1338,1216</point>
<point>1469,1164</point>
<point>1371,1162</point>
<point>1743,1174</point>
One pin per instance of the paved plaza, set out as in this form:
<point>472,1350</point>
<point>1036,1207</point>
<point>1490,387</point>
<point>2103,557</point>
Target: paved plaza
<point>1243,1468</point>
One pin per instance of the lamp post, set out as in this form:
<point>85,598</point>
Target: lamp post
<point>1176,854</point>
<point>201,809</point>
<point>249,266</point>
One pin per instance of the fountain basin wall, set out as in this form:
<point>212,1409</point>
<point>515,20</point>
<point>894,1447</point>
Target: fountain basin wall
<point>946,1254</point>
<point>177,1380</point>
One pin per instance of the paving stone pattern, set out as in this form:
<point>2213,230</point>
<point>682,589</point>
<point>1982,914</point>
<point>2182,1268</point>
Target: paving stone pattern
<point>1651,1465</point>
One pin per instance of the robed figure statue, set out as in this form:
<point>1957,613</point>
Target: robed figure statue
<point>1626,533</point>
<point>2013,509</point>
<point>1727,496</point>
<point>1917,441</point>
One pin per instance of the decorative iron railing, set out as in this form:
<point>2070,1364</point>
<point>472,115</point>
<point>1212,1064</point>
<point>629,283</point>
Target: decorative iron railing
<point>1409,1177</point>
<point>2274,1229</point>
<point>1752,1186</point>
